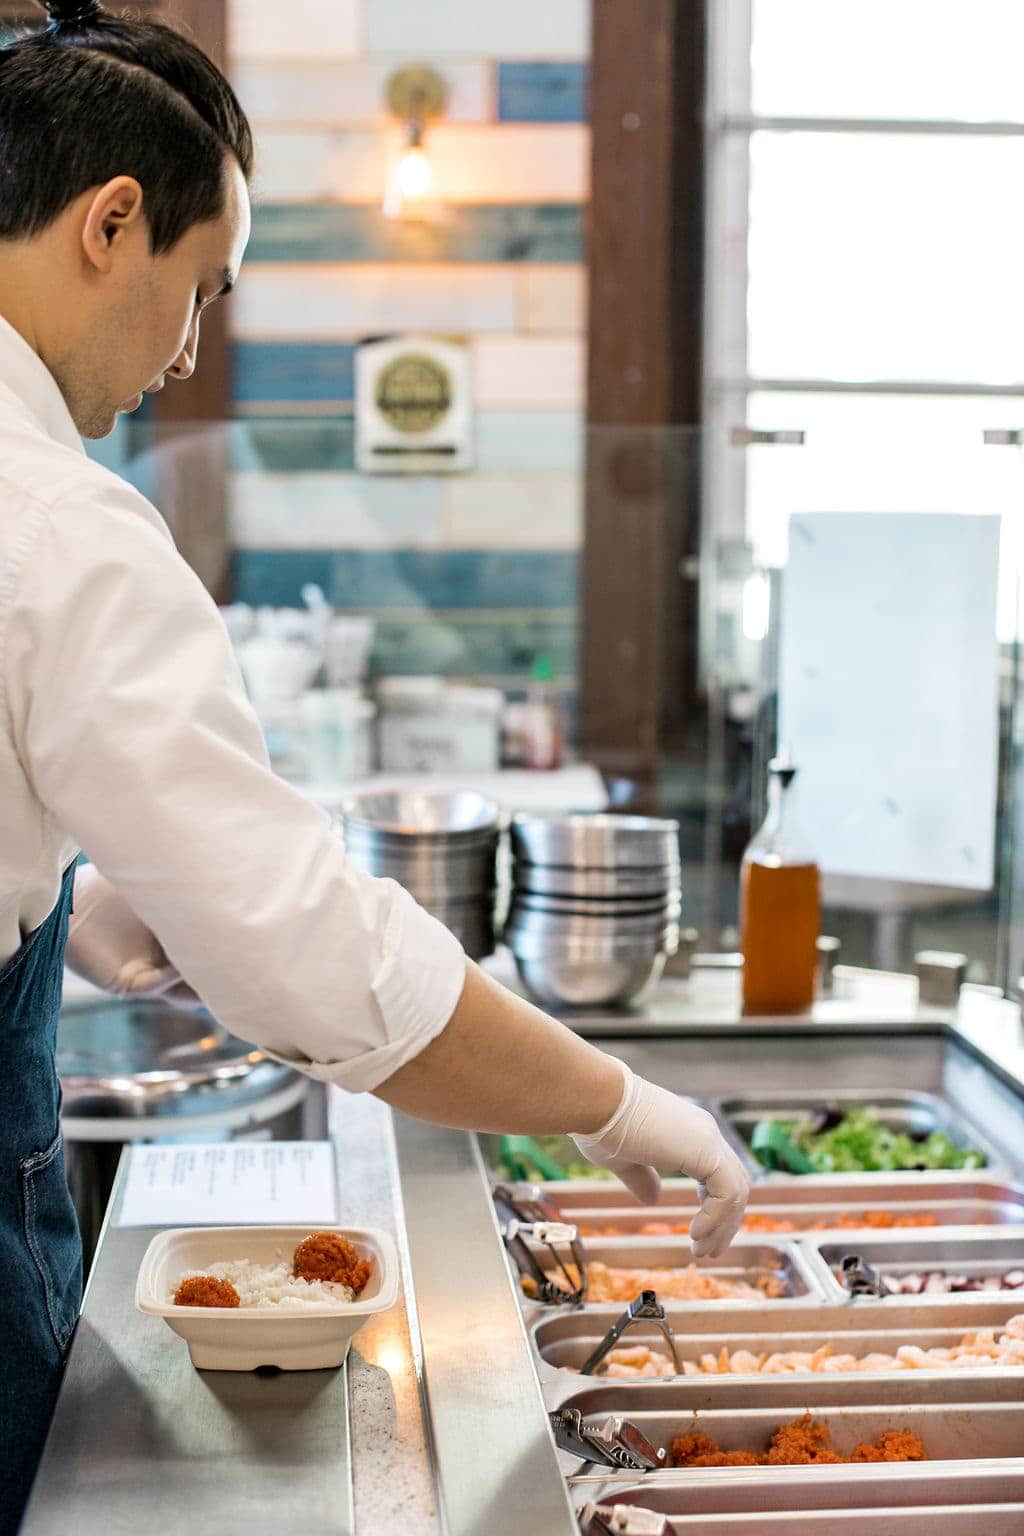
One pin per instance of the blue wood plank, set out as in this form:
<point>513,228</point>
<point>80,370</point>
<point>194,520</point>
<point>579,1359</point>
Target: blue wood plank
<point>506,442</point>
<point>410,578</point>
<point>291,444</point>
<point>480,232</point>
<point>265,371</point>
<point>549,92</point>
<point>464,645</point>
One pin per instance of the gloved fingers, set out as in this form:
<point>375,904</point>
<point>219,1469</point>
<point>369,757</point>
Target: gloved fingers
<point>639,1178</point>
<point>723,1201</point>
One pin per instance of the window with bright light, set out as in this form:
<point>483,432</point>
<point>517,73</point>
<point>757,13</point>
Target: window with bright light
<point>865,262</point>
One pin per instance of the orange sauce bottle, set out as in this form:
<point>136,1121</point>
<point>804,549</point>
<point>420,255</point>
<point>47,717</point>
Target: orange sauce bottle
<point>780,908</point>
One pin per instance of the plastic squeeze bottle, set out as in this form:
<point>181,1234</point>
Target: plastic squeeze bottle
<point>541,719</point>
<point>780,906</point>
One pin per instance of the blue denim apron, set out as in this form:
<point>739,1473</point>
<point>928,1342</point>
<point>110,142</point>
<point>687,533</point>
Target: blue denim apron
<point>40,1250</point>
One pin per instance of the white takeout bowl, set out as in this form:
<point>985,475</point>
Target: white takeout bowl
<point>245,1338</point>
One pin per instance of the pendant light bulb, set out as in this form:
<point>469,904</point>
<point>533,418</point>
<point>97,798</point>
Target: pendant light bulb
<point>415,175</point>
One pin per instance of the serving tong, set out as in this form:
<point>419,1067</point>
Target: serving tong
<point>531,1218</point>
<point>861,1278</point>
<point>609,1442</point>
<point>622,1520</point>
<point>646,1308</point>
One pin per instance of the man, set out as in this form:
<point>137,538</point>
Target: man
<point>124,727</point>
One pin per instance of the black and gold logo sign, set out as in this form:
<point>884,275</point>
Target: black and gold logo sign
<point>414,392</point>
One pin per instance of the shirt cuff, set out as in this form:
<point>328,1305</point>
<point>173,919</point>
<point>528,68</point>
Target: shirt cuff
<point>417,989</point>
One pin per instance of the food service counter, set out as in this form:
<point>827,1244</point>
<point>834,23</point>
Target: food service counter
<point>439,1420</point>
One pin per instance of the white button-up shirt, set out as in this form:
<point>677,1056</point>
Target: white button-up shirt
<point>125,731</point>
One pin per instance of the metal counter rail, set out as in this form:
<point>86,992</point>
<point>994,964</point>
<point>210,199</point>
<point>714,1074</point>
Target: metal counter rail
<point>495,1463</point>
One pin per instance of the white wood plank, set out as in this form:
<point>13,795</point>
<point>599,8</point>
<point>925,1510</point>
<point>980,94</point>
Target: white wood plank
<point>338,94</point>
<point>327,301</point>
<point>526,29</point>
<point>554,297</point>
<point>511,442</point>
<point>334,511</point>
<point>511,162</point>
<point>513,512</point>
<point>490,164</point>
<point>296,166</point>
<point>312,29</point>
<point>539,372</point>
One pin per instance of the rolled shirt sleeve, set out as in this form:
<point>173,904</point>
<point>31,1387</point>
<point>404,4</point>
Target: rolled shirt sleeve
<point>130,718</point>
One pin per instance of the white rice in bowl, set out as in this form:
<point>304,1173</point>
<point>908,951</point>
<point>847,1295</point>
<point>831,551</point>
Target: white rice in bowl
<point>272,1285</point>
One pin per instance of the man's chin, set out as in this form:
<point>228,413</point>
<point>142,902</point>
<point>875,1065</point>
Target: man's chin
<point>102,427</point>
<point>95,431</point>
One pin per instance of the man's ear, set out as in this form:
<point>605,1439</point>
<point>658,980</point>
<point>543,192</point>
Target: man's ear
<point>115,209</point>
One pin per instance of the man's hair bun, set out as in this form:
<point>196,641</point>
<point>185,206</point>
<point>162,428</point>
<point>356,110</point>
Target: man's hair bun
<point>73,13</point>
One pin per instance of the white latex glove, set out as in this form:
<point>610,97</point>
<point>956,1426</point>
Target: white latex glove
<point>653,1128</point>
<point>112,948</point>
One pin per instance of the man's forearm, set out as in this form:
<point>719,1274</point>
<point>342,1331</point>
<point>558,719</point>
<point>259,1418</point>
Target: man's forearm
<point>503,1065</point>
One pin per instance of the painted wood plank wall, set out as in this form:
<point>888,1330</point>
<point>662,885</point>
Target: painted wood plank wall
<point>471,574</point>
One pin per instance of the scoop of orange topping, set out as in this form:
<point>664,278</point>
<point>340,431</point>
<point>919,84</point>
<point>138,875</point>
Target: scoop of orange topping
<point>327,1256</point>
<point>206,1291</point>
<point>804,1441</point>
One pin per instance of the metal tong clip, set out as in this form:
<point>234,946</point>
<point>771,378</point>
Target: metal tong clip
<point>610,1442</point>
<point>621,1520</point>
<point>533,1215</point>
<point>645,1308</point>
<point>860,1277</point>
<point>521,1202</point>
<point>565,1283</point>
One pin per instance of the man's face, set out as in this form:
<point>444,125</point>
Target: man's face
<point>149,330</point>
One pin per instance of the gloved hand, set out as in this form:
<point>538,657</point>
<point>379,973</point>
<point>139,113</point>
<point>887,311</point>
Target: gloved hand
<point>653,1128</point>
<point>112,948</point>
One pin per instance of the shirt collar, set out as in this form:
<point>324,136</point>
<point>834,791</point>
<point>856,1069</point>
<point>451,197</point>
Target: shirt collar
<point>24,374</point>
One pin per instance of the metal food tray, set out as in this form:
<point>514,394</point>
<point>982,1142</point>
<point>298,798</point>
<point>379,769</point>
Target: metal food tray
<point>954,1520</point>
<point>563,1342</point>
<point>957,1200</point>
<point>901,1110</point>
<point>950,1428</point>
<point>747,1259</point>
<point>787,1396</point>
<point>970,1253</point>
<point>980,1500</point>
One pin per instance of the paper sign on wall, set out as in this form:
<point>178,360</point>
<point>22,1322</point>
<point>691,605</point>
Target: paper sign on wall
<point>888,692</point>
<point>414,405</point>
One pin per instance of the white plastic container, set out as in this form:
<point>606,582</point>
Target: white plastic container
<point>430,726</point>
<point>244,1338</point>
<point>338,734</point>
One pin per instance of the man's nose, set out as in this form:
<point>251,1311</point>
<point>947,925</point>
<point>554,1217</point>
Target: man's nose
<point>184,365</point>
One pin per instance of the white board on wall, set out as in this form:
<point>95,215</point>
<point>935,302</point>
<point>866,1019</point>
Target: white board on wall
<point>888,692</point>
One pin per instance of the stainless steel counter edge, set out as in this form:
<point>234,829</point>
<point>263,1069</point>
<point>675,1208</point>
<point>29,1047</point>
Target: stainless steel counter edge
<point>494,1459</point>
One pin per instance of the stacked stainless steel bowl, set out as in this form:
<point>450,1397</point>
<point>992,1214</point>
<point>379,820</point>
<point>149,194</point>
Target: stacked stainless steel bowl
<point>595,909</point>
<point>443,847</point>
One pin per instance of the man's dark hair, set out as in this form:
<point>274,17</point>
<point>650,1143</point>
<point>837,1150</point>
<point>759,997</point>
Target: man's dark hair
<point>93,95</point>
